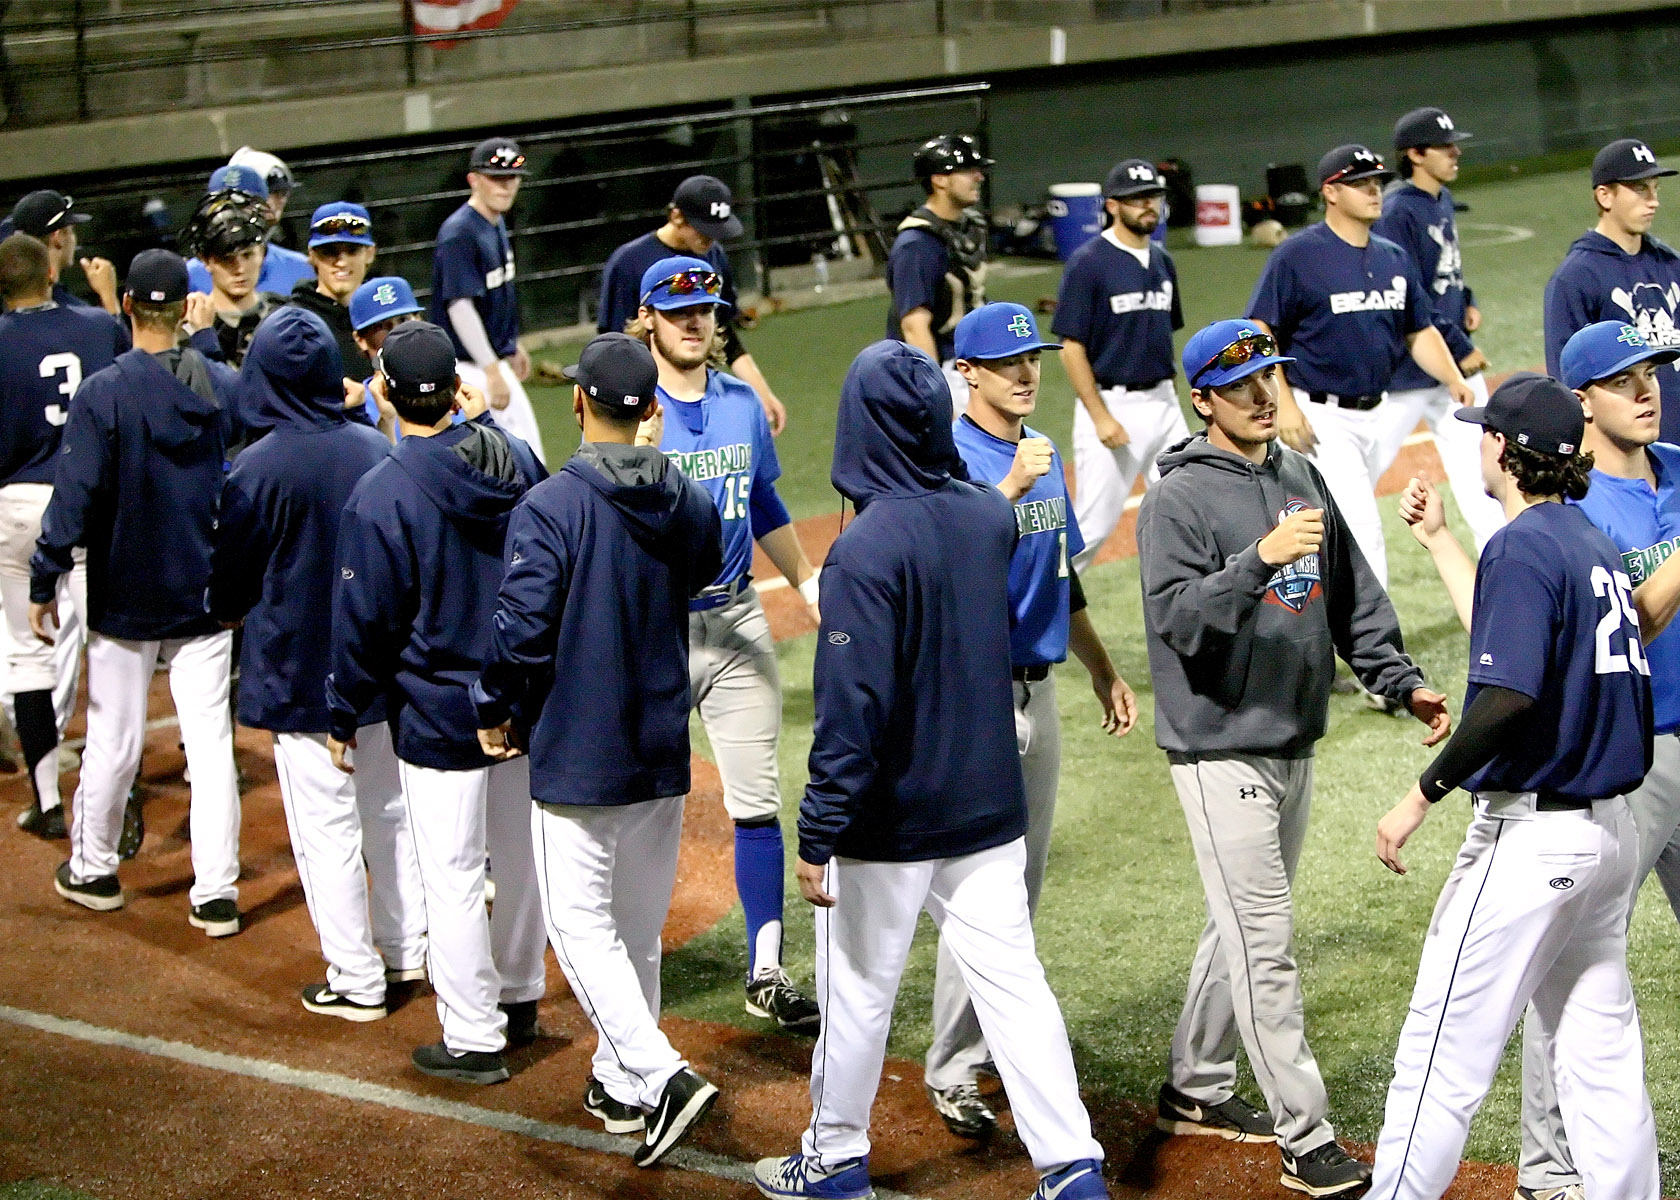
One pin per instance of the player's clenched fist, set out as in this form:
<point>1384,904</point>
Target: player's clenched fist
<point>1032,463</point>
<point>1297,535</point>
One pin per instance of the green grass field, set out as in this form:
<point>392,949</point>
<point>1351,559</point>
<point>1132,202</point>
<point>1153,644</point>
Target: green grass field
<point>1122,906</point>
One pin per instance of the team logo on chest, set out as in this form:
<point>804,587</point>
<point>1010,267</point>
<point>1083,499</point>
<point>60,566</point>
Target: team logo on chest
<point>1652,309</point>
<point>1295,585</point>
<point>1160,300</point>
<point>1390,299</point>
<point>1041,516</point>
<point>1642,564</point>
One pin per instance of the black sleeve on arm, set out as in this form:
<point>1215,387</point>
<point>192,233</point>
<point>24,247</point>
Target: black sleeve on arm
<point>1490,719</point>
<point>733,346</point>
<point>1076,594</point>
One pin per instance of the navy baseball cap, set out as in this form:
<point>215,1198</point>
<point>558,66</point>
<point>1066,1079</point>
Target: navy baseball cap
<point>1427,127</point>
<point>380,299</point>
<point>157,277</point>
<point>617,370</point>
<point>237,178</point>
<point>42,214</point>
<point>498,156</point>
<point>418,359</point>
<point>707,204</point>
<point>1625,161</point>
<point>1606,348</point>
<point>999,331</point>
<point>1350,163</point>
<point>682,282</point>
<point>1534,411</point>
<point>1246,346</point>
<point>1133,177</point>
<point>340,223</point>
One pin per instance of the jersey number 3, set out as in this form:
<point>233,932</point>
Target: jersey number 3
<point>1618,590</point>
<point>59,412</point>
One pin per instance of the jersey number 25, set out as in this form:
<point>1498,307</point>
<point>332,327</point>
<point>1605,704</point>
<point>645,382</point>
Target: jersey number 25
<point>1618,590</point>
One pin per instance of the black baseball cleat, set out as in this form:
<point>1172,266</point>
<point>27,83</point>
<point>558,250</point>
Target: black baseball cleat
<point>1235,1119</point>
<point>617,1117</point>
<point>685,1100</point>
<point>48,826</point>
<point>771,995</point>
<point>470,1066</point>
<point>964,1111</point>
<point>521,1023</point>
<point>218,918</point>
<point>134,828</point>
<point>101,895</point>
<point>1327,1170</point>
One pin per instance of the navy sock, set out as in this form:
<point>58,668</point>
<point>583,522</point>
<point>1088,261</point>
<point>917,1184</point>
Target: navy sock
<point>37,730</point>
<point>758,881</point>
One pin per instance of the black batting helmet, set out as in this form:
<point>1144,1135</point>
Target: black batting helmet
<point>946,153</point>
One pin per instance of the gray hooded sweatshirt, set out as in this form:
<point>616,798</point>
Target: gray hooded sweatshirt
<point>1242,653</point>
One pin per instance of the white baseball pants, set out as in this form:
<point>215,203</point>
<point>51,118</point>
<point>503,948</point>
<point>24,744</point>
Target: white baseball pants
<point>1457,442</point>
<point>518,418</point>
<point>477,963</point>
<point>1103,478</point>
<point>1349,455</point>
<point>355,858</point>
<point>978,902</point>
<point>1535,910</point>
<point>959,1047</point>
<point>737,687</point>
<point>119,675</point>
<point>606,874</point>
<point>957,384</point>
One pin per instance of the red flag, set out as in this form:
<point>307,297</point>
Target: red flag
<point>457,16</point>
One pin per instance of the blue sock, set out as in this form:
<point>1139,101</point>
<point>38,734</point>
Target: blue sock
<point>758,881</point>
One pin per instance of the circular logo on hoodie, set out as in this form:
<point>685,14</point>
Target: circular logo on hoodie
<point>839,639</point>
<point>347,572</point>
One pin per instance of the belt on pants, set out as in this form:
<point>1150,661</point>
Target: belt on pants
<point>1546,801</point>
<point>1133,387</point>
<point>1358,403</point>
<point>1033,674</point>
<point>719,595</point>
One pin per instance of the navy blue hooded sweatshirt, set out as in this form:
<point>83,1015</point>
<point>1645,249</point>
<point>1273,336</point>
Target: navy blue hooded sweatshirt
<point>914,754</point>
<point>419,561</point>
<point>274,562</point>
<point>591,632</point>
<point>139,483</point>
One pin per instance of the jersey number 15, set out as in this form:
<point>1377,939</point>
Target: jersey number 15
<point>1617,589</point>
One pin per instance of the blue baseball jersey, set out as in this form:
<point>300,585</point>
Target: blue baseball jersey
<point>621,279</point>
<point>1554,620</point>
<point>45,353</point>
<point>1645,526</point>
<point>1343,311</point>
<point>1048,537</point>
<point>474,261</point>
<point>1121,311</point>
<point>1424,227</point>
<point>722,442</point>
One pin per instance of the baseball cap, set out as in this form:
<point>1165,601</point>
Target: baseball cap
<point>1346,164</point>
<point>617,370</point>
<point>43,213</point>
<point>498,156</point>
<point>340,223</point>
<point>157,277</point>
<point>682,282</point>
<point>1534,411</point>
<point>1133,177</point>
<point>276,174</point>
<point>1626,160</point>
<point>418,359</point>
<point>380,299</point>
<point>706,202</point>
<point>999,330</point>
<point>1252,348</point>
<point>1427,127</point>
<point>238,179</point>
<point>1606,348</point>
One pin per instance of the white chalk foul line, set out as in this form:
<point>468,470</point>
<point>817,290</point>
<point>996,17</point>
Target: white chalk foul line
<point>1492,234</point>
<point>363,1092</point>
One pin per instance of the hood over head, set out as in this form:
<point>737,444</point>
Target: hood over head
<point>293,373</point>
<point>892,436</point>
<point>636,480</point>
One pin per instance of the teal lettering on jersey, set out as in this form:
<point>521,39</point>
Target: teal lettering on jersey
<point>714,463</point>
<point>1642,564</point>
<point>1041,516</point>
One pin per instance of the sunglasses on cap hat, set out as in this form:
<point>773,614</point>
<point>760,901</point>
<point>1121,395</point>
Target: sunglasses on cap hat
<point>1247,347</point>
<point>503,158</point>
<point>341,224</point>
<point>688,283</point>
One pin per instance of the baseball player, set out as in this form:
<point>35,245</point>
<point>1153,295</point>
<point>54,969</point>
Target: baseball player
<point>716,433</point>
<point>915,800</point>
<point>137,483</point>
<point>998,350</point>
<point>273,570</point>
<point>1617,271</point>
<point>376,308</point>
<point>1556,731</point>
<point>276,176</point>
<point>341,249</point>
<point>226,234</point>
<point>936,270</point>
<point>46,350</point>
<point>699,219</point>
<point>52,217</point>
<point>1348,307</point>
<point>472,289</point>
<point>591,637</point>
<point>280,269</point>
<point>1417,216</point>
<point>1252,584</point>
<point>419,559</point>
<point>1116,312</point>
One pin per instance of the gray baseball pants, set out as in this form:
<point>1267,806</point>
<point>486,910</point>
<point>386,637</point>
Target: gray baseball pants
<point>1248,819</point>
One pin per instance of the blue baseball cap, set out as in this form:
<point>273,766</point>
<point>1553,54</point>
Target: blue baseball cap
<point>998,331</point>
<point>1606,348</point>
<point>340,223</point>
<point>1200,352</point>
<point>682,282</point>
<point>380,299</point>
<point>236,178</point>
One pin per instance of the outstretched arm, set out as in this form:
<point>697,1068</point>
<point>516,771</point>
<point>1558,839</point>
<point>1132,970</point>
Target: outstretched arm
<point>1421,508</point>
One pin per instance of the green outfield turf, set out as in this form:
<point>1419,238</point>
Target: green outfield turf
<point>1122,905</point>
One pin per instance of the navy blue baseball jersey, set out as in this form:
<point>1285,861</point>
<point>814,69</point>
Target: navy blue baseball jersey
<point>1343,312</point>
<point>45,353</point>
<point>1048,535</point>
<point>916,270</point>
<point>621,280</point>
<point>1554,620</point>
<point>1121,311</point>
<point>474,261</point>
<point>1424,227</point>
<point>1645,526</point>
<point>722,442</point>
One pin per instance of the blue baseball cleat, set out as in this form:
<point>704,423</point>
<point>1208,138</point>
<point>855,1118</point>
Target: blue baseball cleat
<point>798,1175</point>
<point>1081,1180</point>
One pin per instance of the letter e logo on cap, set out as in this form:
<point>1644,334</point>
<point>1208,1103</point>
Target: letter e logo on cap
<point>1020,326</point>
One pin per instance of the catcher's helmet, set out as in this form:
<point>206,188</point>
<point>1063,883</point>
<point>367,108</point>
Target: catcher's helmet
<point>224,223</point>
<point>271,167</point>
<point>946,153</point>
